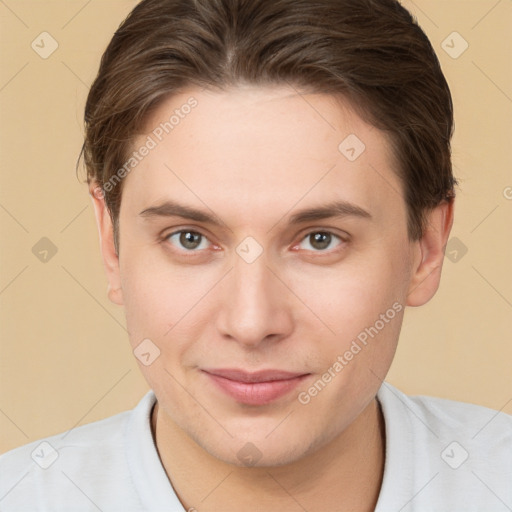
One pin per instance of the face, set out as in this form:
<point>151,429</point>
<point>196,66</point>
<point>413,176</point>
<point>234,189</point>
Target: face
<point>254,248</point>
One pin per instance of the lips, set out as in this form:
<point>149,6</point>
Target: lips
<point>260,376</point>
<point>255,388</point>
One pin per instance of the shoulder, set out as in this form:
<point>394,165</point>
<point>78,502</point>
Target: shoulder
<point>459,454</point>
<point>72,466</point>
<point>443,415</point>
<point>92,438</point>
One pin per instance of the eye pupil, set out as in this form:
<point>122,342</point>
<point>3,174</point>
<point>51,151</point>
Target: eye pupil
<point>189,239</point>
<point>320,240</point>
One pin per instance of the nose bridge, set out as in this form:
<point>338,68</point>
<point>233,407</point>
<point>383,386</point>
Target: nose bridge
<point>255,305</point>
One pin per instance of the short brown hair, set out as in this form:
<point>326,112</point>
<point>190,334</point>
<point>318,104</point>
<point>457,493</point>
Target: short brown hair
<point>371,52</point>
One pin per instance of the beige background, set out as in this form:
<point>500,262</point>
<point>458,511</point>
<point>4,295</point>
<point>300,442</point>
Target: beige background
<point>65,357</point>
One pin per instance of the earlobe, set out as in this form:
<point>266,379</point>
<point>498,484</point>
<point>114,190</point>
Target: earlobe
<point>107,246</point>
<point>426,273</point>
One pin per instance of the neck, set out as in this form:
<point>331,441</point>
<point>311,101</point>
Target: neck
<point>345,474</point>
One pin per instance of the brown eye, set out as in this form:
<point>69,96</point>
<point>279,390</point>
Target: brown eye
<point>320,240</point>
<point>190,240</point>
<point>186,239</point>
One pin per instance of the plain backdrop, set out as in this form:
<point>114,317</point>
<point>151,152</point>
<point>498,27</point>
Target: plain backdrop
<point>65,356</point>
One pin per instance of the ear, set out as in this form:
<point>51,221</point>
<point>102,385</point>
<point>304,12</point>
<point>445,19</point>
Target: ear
<point>426,273</point>
<point>108,250</point>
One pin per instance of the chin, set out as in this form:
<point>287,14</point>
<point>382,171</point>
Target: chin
<point>258,451</point>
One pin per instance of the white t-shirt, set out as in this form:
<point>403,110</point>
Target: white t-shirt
<point>441,456</point>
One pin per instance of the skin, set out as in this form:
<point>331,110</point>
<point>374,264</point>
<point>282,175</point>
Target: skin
<point>253,157</point>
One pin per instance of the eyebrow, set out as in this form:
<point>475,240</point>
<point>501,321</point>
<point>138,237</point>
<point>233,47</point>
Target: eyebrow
<point>329,210</point>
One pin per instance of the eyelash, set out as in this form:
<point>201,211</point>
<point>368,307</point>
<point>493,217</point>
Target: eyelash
<point>167,238</point>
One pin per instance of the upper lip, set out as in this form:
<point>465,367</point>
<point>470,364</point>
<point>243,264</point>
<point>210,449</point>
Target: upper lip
<point>258,376</point>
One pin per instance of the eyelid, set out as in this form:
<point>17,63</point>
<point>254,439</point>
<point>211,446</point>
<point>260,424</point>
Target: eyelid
<point>344,239</point>
<point>331,231</point>
<point>166,236</point>
<point>166,233</point>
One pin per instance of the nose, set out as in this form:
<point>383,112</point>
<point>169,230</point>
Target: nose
<point>256,306</point>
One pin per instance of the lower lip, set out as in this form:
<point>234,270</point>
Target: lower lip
<point>256,393</point>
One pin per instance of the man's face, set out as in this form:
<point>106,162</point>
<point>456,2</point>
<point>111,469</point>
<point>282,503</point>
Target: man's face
<point>257,290</point>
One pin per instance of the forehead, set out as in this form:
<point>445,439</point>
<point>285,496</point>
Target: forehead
<point>267,146</point>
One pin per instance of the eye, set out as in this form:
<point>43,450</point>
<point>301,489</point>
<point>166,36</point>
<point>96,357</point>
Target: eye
<point>320,240</point>
<point>191,241</point>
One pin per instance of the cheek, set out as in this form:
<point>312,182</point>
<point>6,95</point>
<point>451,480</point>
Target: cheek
<point>362,303</point>
<point>153,299</point>
<point>353,362</point>
<point>169,304</point>
<point>352,295</point>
